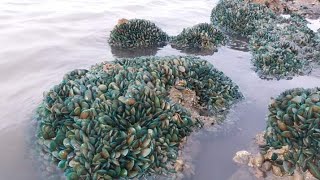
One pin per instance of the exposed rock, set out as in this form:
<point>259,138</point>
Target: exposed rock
<point>242,157</point>
<point>307,8</point>
<point>179,165</point>
<point>267,171</point>
<point>122,21</point>
<point>189,100</point>
<point>258,160</point>
<point>277,171</point>
<point>266,166</point>
<point>275,5</point>
<point>259,139</point>
<point>279,152</point>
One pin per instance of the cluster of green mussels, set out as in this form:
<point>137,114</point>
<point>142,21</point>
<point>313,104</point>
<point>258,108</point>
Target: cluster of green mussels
<point>239,17</point>
<point>317,47</point>
<point>116,120</point>
<point>294,121</point>
<point>137,33</point>
<point>281,47</point>
<point>201,37</point>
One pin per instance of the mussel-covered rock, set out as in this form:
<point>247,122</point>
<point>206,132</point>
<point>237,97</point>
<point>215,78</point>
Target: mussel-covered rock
<point>137,33</point>
<point>316,53</point>
<point>275,5</point>
<point>116,120</point>
<point>294,123</point>
<point>240,17</point>
<point>201,37</point>
<point>283,49</point>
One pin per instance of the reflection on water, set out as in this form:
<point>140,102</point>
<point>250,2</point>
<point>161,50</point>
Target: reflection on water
<point>136,52</point>
<point>196,51</point>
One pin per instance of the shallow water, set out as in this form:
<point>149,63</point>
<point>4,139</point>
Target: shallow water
<point>42,40</point>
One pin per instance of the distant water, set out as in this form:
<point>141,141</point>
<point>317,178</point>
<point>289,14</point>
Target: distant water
<point>41,40</point>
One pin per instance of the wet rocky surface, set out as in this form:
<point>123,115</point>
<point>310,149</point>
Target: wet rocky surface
<point>308,8</point>
<point>253,165</point>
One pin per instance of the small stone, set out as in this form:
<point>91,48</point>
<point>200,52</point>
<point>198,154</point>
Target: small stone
<point>178,166</point>
<point>258,160</point>
<point>282,151</point>
<point>266,166</point>
<point>276,171</point>
<point>122,21</point>
<point>259,139</point>
<point>242,157</point>
<point>279,152</point>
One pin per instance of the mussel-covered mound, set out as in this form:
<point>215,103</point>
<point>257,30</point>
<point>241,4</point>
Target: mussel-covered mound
<point>239,17</point>
<point>282,49</point>
<point>293,127</point>
<point>137,33</point>
<point>316,55</point>
<point>202,37</point>
<point>116,120</point>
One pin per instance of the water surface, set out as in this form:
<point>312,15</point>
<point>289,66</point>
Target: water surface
<point>41,40</point>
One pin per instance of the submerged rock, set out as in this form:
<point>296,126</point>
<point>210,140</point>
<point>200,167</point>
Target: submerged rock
<point>266,166</point>
<point>137,33</point>
<point>240,17</point>
<point>300,140</point>
<point>201,37</point>
<point>242,157</point>
<point>283,49</point>
<point>292,137</point>
<point>117,121</point>
<point>306,8</point>
<point>270,169</point>
<point>316,55</point>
